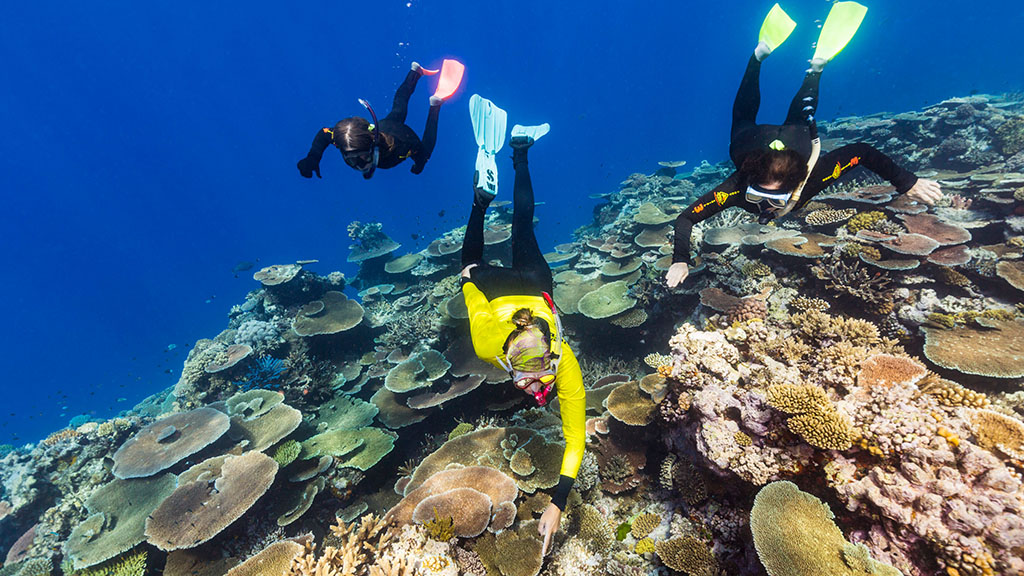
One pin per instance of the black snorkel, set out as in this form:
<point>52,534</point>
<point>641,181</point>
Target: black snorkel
<point>376,139</point>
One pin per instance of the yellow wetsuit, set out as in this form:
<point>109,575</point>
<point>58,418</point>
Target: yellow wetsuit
<point>490,323</point>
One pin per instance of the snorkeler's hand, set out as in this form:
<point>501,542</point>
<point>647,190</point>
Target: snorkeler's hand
<point>676,274</point>
<point>550,520</point>
<point>307,166</point>
<point>925,191</point>
<point>467,269</point>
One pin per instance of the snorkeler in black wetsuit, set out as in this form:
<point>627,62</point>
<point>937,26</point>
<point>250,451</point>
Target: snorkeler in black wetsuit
<point>773,163</point>
<point>367,146</point>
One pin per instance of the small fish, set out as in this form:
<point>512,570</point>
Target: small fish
<point>169,371</point>
<point>414,236</point>
<point>440,214</point>
<point>122,399</point>
<point>170,347</point>
<point>244,265</point>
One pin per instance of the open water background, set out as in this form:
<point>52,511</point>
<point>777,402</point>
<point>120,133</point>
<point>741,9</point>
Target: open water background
<point>149,147</point>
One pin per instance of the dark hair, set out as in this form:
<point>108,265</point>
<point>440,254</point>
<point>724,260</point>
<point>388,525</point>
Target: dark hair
<point>354,134</point>
<point>785,166</point>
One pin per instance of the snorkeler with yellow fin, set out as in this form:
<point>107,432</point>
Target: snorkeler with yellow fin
<point>779,168</point>
<point>367,145</point>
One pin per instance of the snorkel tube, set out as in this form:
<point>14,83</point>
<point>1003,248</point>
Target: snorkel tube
<point>376,140</point>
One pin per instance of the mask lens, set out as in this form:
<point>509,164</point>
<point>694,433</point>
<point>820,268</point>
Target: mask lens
<point>524,383</point>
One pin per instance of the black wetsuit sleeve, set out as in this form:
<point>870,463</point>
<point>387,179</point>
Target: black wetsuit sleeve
<point>311,163</point>
<point>426,148</point>
<point>840,161</point>
<point>725,195</point>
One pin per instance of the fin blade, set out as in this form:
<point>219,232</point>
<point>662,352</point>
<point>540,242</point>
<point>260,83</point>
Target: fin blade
<point>534,132</point>
<point>840,26</point>
<point>451,77</point>
<point>489,123</point>
<point>777,26</point>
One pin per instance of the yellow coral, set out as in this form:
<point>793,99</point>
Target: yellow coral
<point>440,529</point>
<point>825,429</point>
<point>794,399</point>
<point>644,524</point>
<point>743,439</point>
<point>435,563</point>
<point>864,220</point>
<point>644,546</point>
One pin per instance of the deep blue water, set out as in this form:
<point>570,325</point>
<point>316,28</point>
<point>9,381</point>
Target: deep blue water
<point>148,147</point>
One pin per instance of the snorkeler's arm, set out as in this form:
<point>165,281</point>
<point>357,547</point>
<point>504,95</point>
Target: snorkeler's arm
<point>725,195</point>
<point>572,403</point>
<point>311,163</point>
<point>485,330</point>
<point>422,154</point>
<point>841,160</point>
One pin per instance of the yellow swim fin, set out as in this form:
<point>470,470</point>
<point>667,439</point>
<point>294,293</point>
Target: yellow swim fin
<point>839,28</point>
<point>776,28</point>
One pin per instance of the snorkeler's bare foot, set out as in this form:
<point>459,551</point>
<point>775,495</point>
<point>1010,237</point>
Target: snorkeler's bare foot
<point>818,64</point>
<point>436,100</point>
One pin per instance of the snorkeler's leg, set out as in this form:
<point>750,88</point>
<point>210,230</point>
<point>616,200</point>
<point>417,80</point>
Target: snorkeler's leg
<point>428,140</point>
<point>400,107</point>
<point>526,255</point>
<point>473,241</point>
<point>805,103</point>
<point>748,98</point>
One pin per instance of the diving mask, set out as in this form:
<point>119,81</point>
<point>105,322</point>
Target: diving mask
<point>545,381</point>
<point>774,198</point>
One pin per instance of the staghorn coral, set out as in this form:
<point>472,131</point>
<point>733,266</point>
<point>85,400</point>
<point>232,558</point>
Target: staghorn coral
<point>852,280</point>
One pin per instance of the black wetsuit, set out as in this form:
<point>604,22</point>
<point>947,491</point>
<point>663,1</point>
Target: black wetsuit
<point>406,143</point>
<point>747,136</point>
<point>530,273</point>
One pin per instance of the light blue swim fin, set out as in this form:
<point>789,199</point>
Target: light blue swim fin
<point>534,133</point>
<point>489,124</point>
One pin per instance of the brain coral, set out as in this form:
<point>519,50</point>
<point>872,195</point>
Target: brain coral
<point>167,441</point>
<point>116,523</point>
<point>196,512</point>
<point>795,535</point>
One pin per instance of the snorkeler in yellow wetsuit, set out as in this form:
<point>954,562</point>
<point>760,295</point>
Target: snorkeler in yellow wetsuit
<point>514,324</point>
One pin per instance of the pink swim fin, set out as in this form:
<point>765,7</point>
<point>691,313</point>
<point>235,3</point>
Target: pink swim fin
<point>451,77</point>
